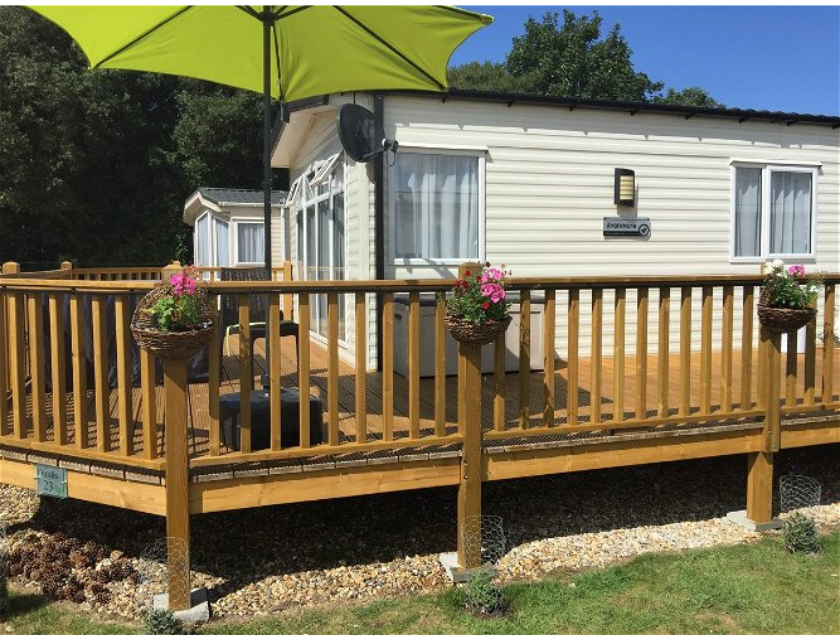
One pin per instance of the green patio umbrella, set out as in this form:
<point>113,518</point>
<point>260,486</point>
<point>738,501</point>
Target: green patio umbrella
<point>284,52</point>
<point>287,53</point>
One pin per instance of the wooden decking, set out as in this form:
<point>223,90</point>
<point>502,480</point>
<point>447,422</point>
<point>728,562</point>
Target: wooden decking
<point>793,391</point>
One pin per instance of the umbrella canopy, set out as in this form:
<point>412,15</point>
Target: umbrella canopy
<point>313,50</point>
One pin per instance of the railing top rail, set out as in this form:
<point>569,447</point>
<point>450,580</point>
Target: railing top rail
<point>27,283</point>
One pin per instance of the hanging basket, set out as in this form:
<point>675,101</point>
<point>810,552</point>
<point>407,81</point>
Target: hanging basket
<point>171,345</point>
<point>476,334</point>
<point>783,319</point>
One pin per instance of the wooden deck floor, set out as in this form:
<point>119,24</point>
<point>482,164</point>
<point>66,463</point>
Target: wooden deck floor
<point>198,394</point>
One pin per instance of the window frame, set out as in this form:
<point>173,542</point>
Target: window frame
<point>235,240</point>
<point>481,155</point>
<point>767,170</point>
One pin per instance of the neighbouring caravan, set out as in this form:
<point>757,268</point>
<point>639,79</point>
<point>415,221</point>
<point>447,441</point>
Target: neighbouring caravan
<point>554,187</point>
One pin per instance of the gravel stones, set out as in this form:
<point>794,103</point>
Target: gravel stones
<point>256,562</point>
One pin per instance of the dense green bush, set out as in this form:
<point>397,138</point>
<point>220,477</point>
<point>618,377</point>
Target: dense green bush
<point>481,595</point>
<point>162,622</point>
<point>801,534</point>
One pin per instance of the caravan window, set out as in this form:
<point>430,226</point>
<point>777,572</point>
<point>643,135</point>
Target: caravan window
<point>436,207</point>
<point>774,212</point>
<point>250,243</point>
<point>201,241</point>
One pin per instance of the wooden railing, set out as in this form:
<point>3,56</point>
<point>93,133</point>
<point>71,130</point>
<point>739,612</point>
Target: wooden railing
<point>628,353</point>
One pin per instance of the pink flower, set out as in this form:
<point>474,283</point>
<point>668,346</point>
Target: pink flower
<point>797,271</point>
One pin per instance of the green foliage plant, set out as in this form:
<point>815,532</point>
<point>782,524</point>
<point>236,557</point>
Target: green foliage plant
<point>480,297</point>
<point>181,310</point>
<point>482,596</point>
<point>801,534</point>
<point>783,287</point>
<point>162,622</point>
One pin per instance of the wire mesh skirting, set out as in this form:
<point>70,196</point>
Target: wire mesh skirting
<point>156,562</point>
<point>484,540</point>
<point>798,492</point>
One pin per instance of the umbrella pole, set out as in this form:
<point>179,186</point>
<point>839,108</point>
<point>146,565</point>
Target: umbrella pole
<point>267,23</point>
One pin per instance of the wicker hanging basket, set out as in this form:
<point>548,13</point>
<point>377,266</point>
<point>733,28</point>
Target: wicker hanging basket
<point>171,345</point>
<point>784,320</point>
<point>476,334</point>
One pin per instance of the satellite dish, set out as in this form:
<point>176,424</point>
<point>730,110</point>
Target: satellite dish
<point>356,132</point>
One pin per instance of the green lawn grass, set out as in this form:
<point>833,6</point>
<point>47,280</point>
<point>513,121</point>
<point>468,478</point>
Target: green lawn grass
<point>756,588</point>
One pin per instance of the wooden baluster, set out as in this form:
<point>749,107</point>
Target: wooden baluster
<point>440,368</point>
<point>57,365</point>
<point>361,368</point>
<point>332,368</point>
<point>664,345</point>
<point>288,302</point>
<point>573,386</point>
<point>148,408</point>
<point>100,374</point>
<point>811,362</point>
<point>706,352</point>
<point>828,347</point>
<point>124,387</point>
<point>17,363</point>
<point>499,349</point>
<point>549,324</point>
<point>524,359</point>
<point>246,373</point>
<point>790,369</point>
<point>618,354</point>
<point>685,351</point>
<point>597,352</point>
<point>78,348</point>
<point>274,371</point>
<point>414,364</point>
<point>4,368</point>
<point>303,369</point>
<point>641,352</point>
<point>726,350</point>
<point>747,347</point>
<point>388,366</point>
<point>38,387</point>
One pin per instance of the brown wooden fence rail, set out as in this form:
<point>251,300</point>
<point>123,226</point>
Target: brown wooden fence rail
<point>635,383</point>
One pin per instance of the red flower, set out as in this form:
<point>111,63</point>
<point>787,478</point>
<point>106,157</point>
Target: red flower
<point>467,274</point>
<point>486,305</point>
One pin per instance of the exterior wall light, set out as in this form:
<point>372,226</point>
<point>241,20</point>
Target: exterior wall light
<point>625,187</point>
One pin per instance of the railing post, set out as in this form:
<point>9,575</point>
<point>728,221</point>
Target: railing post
<point>177,474</point>
<point>469,492</point>
<point>463,270</point>
<point>15,353</point>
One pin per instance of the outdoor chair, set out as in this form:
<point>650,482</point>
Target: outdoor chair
<point>257,310</point>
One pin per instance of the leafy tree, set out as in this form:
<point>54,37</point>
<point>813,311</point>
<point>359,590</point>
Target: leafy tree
<point>490,76</point>
<point>96,165</point>
<point>571,58</point>
<point>690,96</point>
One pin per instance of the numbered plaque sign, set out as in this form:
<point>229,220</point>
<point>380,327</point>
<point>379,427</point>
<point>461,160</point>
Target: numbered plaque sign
<point>51,481</point>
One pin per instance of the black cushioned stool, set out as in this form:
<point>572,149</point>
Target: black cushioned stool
<point>231,407</point>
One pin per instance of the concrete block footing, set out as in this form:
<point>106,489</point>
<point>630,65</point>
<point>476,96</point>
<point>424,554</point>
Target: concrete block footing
<point>198,612</point>
<point>740,518</point>
<point>454,572</point>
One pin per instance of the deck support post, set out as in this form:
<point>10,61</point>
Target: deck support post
<point>759,513</point>
<point>177,484</point>
<point>177,473</point>
<point>469,491</point>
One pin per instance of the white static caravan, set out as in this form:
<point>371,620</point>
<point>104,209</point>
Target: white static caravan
<point>229,226</point>
<point>532,183</point>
